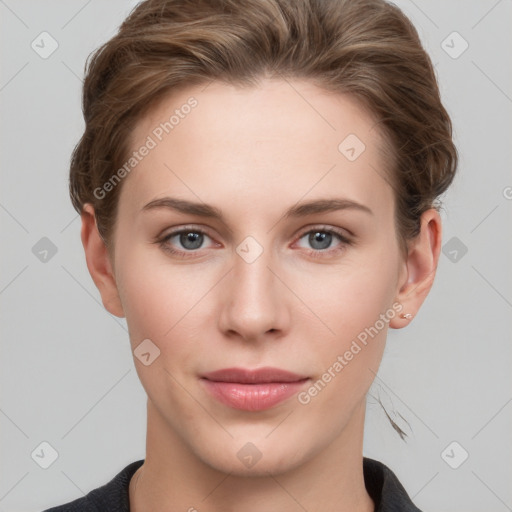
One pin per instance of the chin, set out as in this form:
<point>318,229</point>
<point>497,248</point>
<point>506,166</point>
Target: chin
<point>258,459</point>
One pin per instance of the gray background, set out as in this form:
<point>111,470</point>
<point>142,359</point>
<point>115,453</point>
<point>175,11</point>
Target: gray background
<point>67,374</point>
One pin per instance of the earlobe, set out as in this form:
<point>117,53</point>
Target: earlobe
<point>421,263</point>
<point>98,262</point>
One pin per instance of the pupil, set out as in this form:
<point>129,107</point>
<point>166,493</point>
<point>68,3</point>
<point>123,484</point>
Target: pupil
<point>191,240</point>
<point>324,240</point>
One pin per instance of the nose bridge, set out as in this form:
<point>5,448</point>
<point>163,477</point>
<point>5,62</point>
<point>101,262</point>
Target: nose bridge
<point>253,277</point>
<point>255,302</point>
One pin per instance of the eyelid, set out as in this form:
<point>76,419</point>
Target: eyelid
<point>320,227</point>
<point>190,229</point>
<point>345,235</point>
<point>163,240</point>
<point>196,228</point>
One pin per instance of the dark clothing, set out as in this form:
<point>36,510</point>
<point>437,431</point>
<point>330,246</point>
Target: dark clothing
<point>381,483</point>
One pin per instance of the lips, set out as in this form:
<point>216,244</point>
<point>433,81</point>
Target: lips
<point>257,376</point>
<point>252,390</point>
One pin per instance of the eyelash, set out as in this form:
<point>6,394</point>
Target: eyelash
<point>344,241</point>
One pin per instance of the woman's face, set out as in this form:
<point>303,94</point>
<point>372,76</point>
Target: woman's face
<point>274,280</point>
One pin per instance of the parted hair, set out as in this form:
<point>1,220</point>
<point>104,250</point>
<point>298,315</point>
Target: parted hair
<point>367,49</point>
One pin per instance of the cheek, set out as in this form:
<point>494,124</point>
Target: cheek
<point>349,297</point>
<point>162,304</point>
<point>167,304</point>
<point>154,293</point>
<point>347,360</point>
<point>356,304</point>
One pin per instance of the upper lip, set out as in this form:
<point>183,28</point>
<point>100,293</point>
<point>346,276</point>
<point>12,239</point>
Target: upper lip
<point>256,376</point>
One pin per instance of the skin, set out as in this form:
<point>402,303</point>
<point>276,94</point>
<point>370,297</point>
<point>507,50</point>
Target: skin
<point>253,153</point>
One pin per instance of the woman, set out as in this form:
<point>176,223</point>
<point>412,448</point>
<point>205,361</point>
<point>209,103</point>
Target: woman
<point>258,187</point>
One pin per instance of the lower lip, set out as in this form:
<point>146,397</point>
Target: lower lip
<point>252,397</point>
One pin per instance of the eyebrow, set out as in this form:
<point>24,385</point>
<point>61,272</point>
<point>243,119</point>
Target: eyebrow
<point>297,211</point>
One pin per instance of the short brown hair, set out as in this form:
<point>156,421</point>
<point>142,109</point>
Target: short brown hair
<point>364,48</point>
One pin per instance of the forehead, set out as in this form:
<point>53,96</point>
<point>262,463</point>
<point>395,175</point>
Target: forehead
<point>282,134</point>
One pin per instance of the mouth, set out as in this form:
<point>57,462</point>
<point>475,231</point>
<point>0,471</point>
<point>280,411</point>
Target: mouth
<point>256,376</point>
<point>252,390</point>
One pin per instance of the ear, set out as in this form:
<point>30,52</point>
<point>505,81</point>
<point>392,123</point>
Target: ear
<point>98,262</point>
<point>420,268</point>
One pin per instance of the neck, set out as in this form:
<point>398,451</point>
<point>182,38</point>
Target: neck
<point>173,477</point>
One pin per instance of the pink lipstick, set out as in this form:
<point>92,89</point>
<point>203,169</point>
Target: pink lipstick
<point>252,390</point>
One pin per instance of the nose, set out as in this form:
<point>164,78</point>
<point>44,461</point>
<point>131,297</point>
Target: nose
<point>255,301</point>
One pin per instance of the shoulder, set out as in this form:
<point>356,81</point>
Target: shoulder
<point>113,496</point>
<point>385,489</point>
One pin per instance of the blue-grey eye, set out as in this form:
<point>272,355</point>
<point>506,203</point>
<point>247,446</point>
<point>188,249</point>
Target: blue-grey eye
<point>320,239</point>
<point>191,239</point>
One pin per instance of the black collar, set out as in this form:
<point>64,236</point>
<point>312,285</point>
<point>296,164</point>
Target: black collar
<point>381,483</point>
<point>385,489</point>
